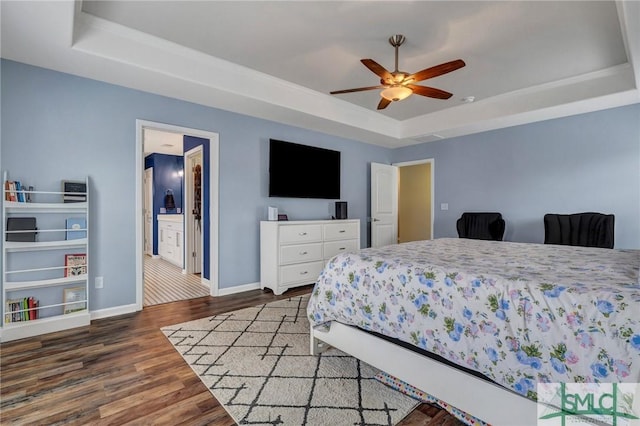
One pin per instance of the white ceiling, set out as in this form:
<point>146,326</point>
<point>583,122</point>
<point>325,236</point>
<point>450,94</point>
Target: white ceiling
<point>526,61</point>
<point>162,142</point>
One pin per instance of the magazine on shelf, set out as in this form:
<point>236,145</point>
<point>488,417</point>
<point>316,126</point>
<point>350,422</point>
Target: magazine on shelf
<point>77,228</point>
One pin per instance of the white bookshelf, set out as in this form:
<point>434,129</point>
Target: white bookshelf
<point>37,268</point>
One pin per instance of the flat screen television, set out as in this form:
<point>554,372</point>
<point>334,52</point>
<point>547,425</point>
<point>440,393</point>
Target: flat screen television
<point>302,171</point>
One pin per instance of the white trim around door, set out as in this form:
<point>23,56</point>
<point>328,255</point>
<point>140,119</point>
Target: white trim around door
<point>213,187</point>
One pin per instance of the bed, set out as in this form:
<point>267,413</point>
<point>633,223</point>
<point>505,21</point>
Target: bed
<point>503,316</point>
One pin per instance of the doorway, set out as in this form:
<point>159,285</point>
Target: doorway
<point>402,198</point>
<point>414,202</point>
<point>208,189</point>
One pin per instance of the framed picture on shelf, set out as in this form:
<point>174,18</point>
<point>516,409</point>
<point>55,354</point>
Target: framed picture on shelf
<point>74,191</point>
<point>75,264</point>
<point>75,299</point>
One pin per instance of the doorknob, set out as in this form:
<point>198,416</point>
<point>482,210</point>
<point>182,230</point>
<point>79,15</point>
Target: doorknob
<point>376,220</point>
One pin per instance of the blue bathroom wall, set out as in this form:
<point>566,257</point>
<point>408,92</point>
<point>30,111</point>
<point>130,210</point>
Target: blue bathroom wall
<point>167,178</point>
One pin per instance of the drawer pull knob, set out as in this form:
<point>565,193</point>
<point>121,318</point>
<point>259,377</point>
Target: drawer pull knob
<point>302,253</point>
<point>302,233</point>
<point>342,248</point>
<point>342,231</point>
<point>304,273</point>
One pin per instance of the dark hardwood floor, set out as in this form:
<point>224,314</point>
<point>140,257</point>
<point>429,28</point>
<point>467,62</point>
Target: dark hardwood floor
<point>122,370</point>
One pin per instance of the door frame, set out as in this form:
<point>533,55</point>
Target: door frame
<point>214,208</point>
<point>423,161</point>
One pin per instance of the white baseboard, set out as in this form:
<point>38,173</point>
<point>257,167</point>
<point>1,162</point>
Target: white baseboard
<point>238,289</point>
<point>127,309</point>
<point>112,312</point>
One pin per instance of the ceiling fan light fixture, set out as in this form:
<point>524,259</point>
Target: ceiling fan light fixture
<point>399,85</point>
<point>396,93</point>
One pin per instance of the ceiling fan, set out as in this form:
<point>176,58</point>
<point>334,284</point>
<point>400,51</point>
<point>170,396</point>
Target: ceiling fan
<point>399,85</point>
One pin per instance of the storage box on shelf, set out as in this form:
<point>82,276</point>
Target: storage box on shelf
<point>293,253</point>
<point>45,279</point>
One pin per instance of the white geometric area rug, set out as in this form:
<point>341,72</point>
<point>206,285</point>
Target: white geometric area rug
<point>256,363</point>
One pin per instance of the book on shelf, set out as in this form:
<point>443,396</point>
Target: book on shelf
<point>74,191</point>
<point>19,192</point>
<point>17,310</point>
<point>74,299</point>
<point>17,227</point>
<point>75,264</point>
<point>10,191</point>
<point>76,228</point>
<point>15,191</point>
<point>32,310</point>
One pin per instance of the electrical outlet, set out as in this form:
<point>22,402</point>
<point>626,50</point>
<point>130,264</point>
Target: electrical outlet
<point>444,206</point>
<point>99,282</point>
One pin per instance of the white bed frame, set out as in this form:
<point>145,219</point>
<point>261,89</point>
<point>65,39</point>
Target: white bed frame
<point>492,403</point>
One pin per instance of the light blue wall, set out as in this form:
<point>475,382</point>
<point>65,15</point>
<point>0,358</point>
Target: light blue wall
<point>588,162</point>
<point>57,126</point>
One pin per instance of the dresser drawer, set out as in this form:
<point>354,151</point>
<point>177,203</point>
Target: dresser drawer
<point>300,233</point>
<point>334,247</point>
<point>340,231</point>
<point>170,225</point>
<point>299,253</point>
<point>302,272</point>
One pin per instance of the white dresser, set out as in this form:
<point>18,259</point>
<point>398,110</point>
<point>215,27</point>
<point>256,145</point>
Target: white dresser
<point>293,253</point>
<point>170,240</point>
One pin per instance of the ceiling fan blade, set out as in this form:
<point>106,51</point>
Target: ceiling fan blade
<point>359,89</point>
<point>430,92</point>
<point>383,103</point>
<point>437,70</point>
<point>377,69</point>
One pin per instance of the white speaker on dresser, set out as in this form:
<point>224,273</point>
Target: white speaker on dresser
<point>293,253</point>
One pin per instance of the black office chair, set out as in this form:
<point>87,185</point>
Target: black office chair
<point>579,229</point>
<point>481,226</point>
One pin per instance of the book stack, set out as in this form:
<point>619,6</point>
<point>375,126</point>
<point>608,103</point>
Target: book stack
<point>25,309</point>
<point>15,191</point>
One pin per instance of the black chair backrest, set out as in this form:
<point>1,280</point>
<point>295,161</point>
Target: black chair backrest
<point>579,229</point>
<point>481,226</point>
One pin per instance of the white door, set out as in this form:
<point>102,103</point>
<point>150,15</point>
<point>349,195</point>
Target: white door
<point>148,211</point>
<point>384,205</point>
<point>193,213</point>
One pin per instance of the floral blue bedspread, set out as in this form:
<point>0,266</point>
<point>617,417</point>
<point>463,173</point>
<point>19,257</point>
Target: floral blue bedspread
<point>517,313</point>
